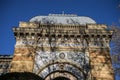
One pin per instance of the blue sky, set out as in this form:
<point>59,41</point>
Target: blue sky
<point>13,11</point>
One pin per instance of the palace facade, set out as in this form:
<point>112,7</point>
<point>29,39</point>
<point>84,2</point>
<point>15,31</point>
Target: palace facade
<point>63,46</point>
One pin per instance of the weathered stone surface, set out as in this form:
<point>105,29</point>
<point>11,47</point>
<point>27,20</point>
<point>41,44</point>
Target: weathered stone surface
<point>23,60</point>
<point>5,61</point>
<point>72,51</point>
<point>101,65</point>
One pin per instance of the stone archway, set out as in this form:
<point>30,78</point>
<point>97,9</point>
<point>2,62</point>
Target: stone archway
<point>61,75</point>
<point>62,69</point>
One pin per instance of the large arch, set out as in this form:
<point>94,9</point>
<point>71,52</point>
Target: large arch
<point>61,75</point>
<point>68,68</point>
<point>61,62</point>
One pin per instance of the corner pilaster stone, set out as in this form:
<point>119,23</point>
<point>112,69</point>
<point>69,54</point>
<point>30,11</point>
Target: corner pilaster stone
<point>23,60</point>
<point>101,67</point>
